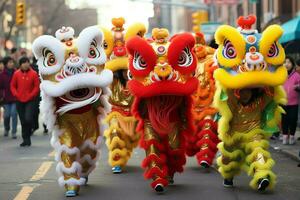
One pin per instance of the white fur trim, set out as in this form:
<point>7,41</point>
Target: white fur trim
<point>65,33</point>
<point>75,105</point>
<point>87,158</point>
<point>77,81</point>
<point>88,171</point>
<point>55,46</point>
<point>91,145</point>
<point>84,41</point>
<point>61,169</point>
<point>92,162</point>
<point>71,182</point>
<point>64,148</point>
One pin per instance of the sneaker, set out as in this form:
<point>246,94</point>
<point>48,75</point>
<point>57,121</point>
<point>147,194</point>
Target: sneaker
<point>23,144</point>
<point>285,139</point>
<point>171,180</point>
<point>71,193</point>
<point>159,188</point>
<point>263,184</point>
<point>273,137</point>
<point>204,164</point>
<point>116,170</point>
<point>292,139</point>
<point>5,133</point>
<point>228,183</point>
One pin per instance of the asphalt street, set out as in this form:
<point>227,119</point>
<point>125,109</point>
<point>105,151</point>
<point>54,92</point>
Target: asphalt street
<point>29,173</point>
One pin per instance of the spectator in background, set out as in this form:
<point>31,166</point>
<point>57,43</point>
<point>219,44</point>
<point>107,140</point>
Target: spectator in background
<point>25,86</point>
<point>9,101</point>
<point>298,66</point>
<point>1,89</point>
<point>14,54</point>
<point>292,88</point>
<point>298,70</point>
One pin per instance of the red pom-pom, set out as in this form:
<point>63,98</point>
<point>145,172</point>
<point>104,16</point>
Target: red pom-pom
<point>245,22</point>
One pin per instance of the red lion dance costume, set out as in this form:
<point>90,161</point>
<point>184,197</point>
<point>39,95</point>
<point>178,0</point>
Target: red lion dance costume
<point>162,83</point>
<point>204,142</point>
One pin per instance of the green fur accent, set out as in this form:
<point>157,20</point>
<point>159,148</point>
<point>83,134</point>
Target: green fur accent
<point>223,96</point>
<point>224,111</point>
<point>268,118</point>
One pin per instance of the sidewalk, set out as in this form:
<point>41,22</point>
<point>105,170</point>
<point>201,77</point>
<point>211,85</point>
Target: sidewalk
<point>291,151</point>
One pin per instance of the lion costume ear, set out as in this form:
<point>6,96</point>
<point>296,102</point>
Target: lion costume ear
<point>45,46</point>
<point>108,42</point>
<point>137,29</point>
<point>91,38</point>
<point>270,47</point>
<point>229,33</point>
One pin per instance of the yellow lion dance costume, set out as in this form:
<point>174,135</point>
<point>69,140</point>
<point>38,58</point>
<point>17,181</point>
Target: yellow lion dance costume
<point>75,91</point>
<point>248,95</point>
<point>120,136</point>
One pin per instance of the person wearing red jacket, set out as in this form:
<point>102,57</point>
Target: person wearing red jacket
<point>25,87</point>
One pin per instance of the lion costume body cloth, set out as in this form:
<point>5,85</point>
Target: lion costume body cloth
<point>75,91</point>
<point>162,83</point>
<point>120,136</point>
<point>249,93</point>
<point>204,142</point>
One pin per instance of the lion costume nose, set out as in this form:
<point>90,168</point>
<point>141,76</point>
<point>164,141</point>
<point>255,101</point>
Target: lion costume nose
<point>254,62</point>
<point>74,65</point>
<point>163,70</point>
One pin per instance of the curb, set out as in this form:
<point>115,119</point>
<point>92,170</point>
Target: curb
<point>287,153</point>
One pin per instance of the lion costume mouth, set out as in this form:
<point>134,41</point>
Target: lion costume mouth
<point>163,87</point>
<point>250,78</point>
<point>78,81</point>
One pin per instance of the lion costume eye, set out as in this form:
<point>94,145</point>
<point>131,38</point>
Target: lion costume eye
<point>273,51</point>
<point>185,59</point>
<point>49,58</point>
<point>229,50</point>
<point>138,62</point>
<point>93,51</point>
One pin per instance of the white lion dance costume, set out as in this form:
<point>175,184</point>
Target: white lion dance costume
<point>74,99</point>
<point>248,95</point>
<point>121,137</point>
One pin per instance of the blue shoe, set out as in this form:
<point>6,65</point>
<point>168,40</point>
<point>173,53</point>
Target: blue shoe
<point>71,193</point>
<point>117,170</point>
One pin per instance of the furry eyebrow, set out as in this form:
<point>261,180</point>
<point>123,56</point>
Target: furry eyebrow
<point>45,51</point>
<point>94,43</point>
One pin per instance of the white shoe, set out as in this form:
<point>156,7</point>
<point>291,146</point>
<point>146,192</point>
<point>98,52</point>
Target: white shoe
<point>280,136</point>
<point>285,139</point>
<point>292,139</point>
